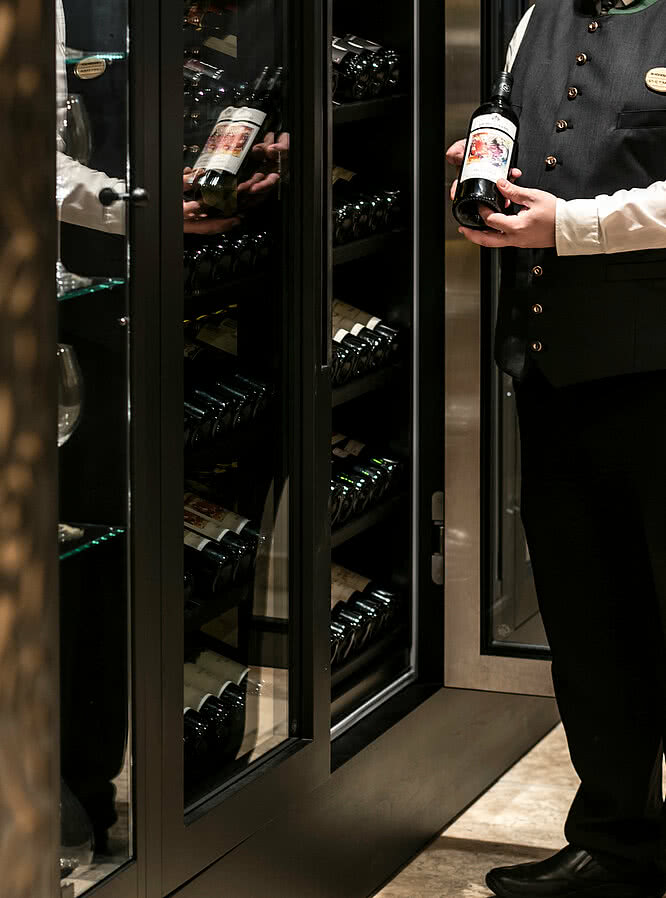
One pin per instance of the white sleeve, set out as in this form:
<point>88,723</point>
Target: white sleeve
<point>624,221</point>
<point>517,39</point>
<point>81,185</point>
<point>81,205</point>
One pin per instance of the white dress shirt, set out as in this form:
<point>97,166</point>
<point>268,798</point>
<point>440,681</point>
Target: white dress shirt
<point>628,220</point>
<point>81,205</point>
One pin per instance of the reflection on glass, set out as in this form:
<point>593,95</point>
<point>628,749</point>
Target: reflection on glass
<point>95,635</point>
<point>74,142</point>
<point>236,514</point>
<point>514,621</point>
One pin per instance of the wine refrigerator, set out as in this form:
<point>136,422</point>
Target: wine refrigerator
<point>297,630</point>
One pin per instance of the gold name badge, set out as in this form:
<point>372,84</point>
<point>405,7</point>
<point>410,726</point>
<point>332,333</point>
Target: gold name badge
<point>94,66</point>
<point>656,80</point>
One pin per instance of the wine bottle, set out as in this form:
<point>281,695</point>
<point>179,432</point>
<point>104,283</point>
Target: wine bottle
<point>345,460</point>
<point>213,567</point>
<point>361,626</point>
<point>359,348</point>
<point>360,486</point>
<point>489,153</point>
<point>197,67</point>
<point>387,57</point>
<point>222,667</point>
<point>346,582</point>
<point>353,77</point>
<point>379,348</point>
<point>218,529</point>
<point>236,131</point>
<point>346,499</point>
<point>195,740</point>
<point>230,522</point>
<point>205,708</point>
<point>373,323</point>
<point>375,73</point>
<point>359,450</point>
<point>344,364</point>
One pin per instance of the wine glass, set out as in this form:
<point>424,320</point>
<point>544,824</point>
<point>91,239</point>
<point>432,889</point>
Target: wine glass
<point>70,402</point>
<point>74,142</point>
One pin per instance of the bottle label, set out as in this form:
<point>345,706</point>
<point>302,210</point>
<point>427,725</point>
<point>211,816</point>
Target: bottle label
<point>222,335</point>
<point>191,350</point>
<point>231,139</point>
<point>372,323</point>
<point>339,335</point>
<point>194,540</point>
<point>489,148</point>
<point>344,583</point>
<point>336,445</point>
<point>212,512</point>
<point>353,447</point>
<point>342,174</point>
<point>205,526</point>
<point>357,328</point>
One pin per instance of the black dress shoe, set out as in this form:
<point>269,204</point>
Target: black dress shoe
<point>571,873</point>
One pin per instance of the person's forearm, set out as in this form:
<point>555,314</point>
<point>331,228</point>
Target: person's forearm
<point>82,206</point>
<point>622,222</point>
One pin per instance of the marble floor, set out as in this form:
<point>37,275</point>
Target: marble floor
<point>519,819</point>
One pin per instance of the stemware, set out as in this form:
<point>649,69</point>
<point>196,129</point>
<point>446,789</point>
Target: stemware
<point>74,142</point>
<point>70,403</point>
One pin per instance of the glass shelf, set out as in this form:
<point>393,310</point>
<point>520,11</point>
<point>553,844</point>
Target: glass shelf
<point>93,535</point>
<point>98,285</point>
<point>74,56</point>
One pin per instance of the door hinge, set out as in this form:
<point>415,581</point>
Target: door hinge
<point>438,524</point>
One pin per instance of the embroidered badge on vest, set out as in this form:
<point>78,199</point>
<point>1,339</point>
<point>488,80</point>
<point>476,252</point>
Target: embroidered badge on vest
<point>656,80</point>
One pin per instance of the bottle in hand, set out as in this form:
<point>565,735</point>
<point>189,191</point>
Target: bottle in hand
<point>489,155</point>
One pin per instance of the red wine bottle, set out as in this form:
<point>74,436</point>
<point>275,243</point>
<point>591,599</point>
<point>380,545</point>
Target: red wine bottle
<point>489,154</point>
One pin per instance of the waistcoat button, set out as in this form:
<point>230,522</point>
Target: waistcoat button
<point>572,93</point>
<point>581,59</point>
<point>551,161</point>
<point>561,124</point>
<point>592,27</point>
<point>537,346</point>
<point>537,271</point>
<point>537,308</point>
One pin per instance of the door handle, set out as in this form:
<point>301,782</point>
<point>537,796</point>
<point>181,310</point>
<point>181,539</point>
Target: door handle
<point>137,197</point>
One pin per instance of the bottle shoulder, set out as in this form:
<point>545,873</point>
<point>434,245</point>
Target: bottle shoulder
<point>497,107</point>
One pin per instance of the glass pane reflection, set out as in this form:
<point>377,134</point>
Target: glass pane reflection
<point>236,436</point>
<point>91,275</point>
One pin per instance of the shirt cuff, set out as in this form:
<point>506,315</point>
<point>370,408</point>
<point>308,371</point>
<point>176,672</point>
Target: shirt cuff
<point>577,230</point>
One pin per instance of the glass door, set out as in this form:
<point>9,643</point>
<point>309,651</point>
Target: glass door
<point>374,243</point>
<point>238,668</point>
<point>494,637</point>
<point>94,535</point>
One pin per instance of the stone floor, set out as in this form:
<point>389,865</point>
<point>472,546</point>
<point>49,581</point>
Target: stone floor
<point>519,819</point>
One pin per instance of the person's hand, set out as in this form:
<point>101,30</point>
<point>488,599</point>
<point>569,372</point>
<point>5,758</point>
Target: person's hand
<point>195,219</point>
<point>270,155</point>
<point>455,155</point>
<point>532,228</point>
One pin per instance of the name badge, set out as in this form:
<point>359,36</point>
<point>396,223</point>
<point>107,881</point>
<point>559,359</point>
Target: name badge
<point>94,66</point>
<point>656,80</point>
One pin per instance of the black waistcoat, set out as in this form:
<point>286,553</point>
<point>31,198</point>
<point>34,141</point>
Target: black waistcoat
<point>582,318</point>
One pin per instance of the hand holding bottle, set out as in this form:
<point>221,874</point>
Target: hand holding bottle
<point>532,228</point>
<point>455,155</point>
<point>195,220</point>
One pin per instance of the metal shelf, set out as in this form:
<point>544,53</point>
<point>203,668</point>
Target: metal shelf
<point>368,246</point>
<point>361,110</point>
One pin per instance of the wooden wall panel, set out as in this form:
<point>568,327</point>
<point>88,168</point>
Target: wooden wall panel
<point>28,502</point>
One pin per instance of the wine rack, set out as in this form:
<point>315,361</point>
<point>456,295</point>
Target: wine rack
<point>374,273</point>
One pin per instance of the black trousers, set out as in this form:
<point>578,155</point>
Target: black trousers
<point>594,510</point>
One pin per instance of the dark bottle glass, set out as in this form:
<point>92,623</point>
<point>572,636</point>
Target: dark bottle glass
<point>222,407</point>
<point>387,58</point>
<point>195,741</point>
<point>345,364</point>
<point>367,61</point>
<point>200,423</point>
<point>224,525</point>
<point>212,566</point>
<point>342,641</point>
<point>361,488</point>
<point>334,501</point>
<point>359,348</point>
<point>378,347</point>
<point>489,154</point>
<point>239,548</point>
<point>390,334</point>
<point>226,158</point>
<point>347,499</point>
<point>365,454</point>
<point>360,625</point>
<point>211,712</point>
<point>353,76</point>
<point>345,223</point>
<point>350,587</point>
